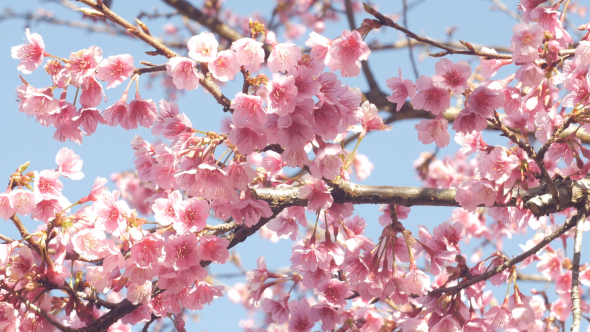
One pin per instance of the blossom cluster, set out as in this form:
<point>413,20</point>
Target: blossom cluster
<point>298,117</point>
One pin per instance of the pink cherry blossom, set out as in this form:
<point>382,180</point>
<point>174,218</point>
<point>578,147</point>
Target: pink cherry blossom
<point>371,120</point>
<point>96,192</point>
<point>328,162</point>
<point>326,120</point>
<point>37,102</point>
<point>142,111</point>
<point>489,67</point>
<point>83,64</point>
<point>22,201</point>
<point>213,248</point>
<point>203,47</point>
<point>346,51</point>
<point>69,164</point>
<point>306,83</point>
<point>473,193</point>
<point>249,53</point>
<point>89,118</point>
<point>283,57</point>
<point>446,324</point>
<point>497,164</point>
<point>299,320</point>
<point>31,54</point>
<point>469,121</point>
<point>204,293</point>
<point>526,39</point>
<point>90,243</point>
<point>139,293</point>
<point>21,264</point>
<point>181,252</point>
<point>166,210</point>
<point>240,175</point>
<point>249,211</point>
<point>47,185</point>
<point>429,97</point>
<point>530,75</point>
<point>110,213</point>
<point>170,123</point>
<point>282,95</point>
<point>183,72</point>
<point>550,264</point>
<point>48,208</point>
<point>98,278</point>
<point>416,282</point>
<point>451,76</point>
<point>435,130</point>
<point>60,75</point>
<point>115,69</point>
<point>225,66</point>
<point>317,193</point>
<point>335,292</point>
<point>279,310</point>
<point>484,101</point>
<point>149,251</point>
<point>248,111</point>
<point>192,216</point>
<point>579,90</point>
<point>118,113</point>
<point>308,258</point>
<point>6,210</point>
<point>400,90</point>
<point>287,222</point>
<point>327,315</point>
<point>247,140</point>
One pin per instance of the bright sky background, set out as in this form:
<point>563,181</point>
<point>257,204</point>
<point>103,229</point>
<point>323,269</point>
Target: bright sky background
<point>108,150</point>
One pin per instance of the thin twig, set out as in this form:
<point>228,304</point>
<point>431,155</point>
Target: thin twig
<point>364,64</point>
<point>448,50</point>
<point>410,47</point>
<point>485,276</point>
<point>502,6</point>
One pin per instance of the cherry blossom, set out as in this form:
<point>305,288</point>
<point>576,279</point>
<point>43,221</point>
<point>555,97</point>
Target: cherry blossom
<point>225,66</point>
<point>400,90</point>
<point>115,69</point>
<point>434,131</point>
<point>183,72</point>
<point>31,54</point>
<point>451,76</point>
<point>203,47</point>
<point>346,51</point>
<point>429,97</point>
<point>249,53</point>
<point>83,64</point>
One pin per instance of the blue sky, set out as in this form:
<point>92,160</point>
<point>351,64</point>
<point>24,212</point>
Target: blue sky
<point>108,150</point>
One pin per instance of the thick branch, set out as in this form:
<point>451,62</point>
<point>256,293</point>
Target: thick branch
<point>485,276</point>
<point>537,199</point>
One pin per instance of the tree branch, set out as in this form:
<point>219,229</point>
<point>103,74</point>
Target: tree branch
<point>206,82</point>
<point>571,193</point>
<point>576,310</point>
<point>384,20</point>
<point>560,231</point>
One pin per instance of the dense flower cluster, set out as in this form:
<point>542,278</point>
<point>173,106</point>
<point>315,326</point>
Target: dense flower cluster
<point>298,117</point>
